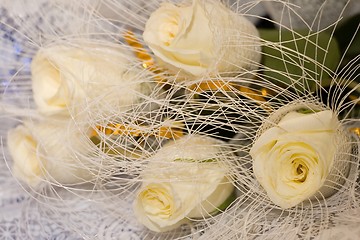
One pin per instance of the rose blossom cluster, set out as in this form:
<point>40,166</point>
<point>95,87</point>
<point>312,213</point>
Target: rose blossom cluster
<point>294,156</point>
<point>66,79</point>
<point>295,160</point>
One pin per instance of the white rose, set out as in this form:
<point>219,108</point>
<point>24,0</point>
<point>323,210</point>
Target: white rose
<point>185,179</point>
<point>65,76</point>
<point>297,159</point>
<point>204,37</point>
<point>49,151</point>
<point>22,147</point>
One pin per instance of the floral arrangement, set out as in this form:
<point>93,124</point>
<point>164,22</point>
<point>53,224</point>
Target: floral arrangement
<point>184,119</point>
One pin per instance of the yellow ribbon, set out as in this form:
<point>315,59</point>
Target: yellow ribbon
<point>169,132</point>
<point>141,53</point>
<point>215,85</point>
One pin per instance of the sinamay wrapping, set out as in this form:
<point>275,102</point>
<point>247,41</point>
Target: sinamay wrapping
<point>101,207</point>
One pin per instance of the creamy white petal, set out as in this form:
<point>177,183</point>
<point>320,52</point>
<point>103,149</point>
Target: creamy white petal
<point>191,172</point>
<point>63,160</point>
<point>153,220</point>
<point>294,160</point>
<point>213,201</point>
<point>67,76</point>
<point>202,38</point>
<point>22,146</point>
<point>320,121</point>
<point>50,151</point>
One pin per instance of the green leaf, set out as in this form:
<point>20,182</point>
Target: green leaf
<point>348,36</point>
<point>347,94</point>
<point>298,59</point>
<point>307,111</point>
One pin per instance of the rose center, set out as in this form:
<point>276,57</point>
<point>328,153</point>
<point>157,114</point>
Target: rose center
<point>157,202</point>
<point>169,31</point>
<point>300,171</point>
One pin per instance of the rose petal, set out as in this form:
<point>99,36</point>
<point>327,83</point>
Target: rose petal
<point>293,160</point>
<point>320,121</point>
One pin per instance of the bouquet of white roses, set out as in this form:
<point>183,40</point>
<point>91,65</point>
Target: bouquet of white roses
<point>185,119</point>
